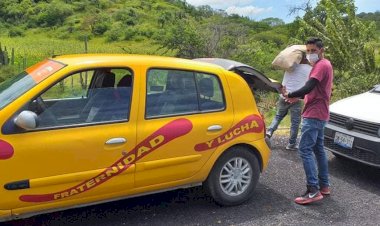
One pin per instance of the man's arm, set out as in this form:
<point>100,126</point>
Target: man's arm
<point>307,88</point>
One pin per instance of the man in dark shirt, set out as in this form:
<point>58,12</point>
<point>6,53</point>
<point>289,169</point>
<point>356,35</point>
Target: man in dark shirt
<point>317,93</point>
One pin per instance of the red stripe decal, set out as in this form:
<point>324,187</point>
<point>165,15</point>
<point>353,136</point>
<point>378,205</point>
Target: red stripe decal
<point>162,136</point>
<point>6,150</point>
<point>250,124</point>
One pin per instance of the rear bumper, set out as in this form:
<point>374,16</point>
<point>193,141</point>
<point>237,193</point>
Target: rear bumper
<point>365,149</point>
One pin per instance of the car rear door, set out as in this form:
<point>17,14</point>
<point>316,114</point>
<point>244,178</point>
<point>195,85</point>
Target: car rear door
<point>179,109</point>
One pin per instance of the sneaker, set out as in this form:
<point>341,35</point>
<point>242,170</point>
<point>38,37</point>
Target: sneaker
<point>312,195</point>
<point>268,134</point>
<point>325,190</point>
<point>292,147</point>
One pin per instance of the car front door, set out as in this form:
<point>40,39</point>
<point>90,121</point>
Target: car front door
<point>75,153</point>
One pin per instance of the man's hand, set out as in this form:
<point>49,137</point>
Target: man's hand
<point>284,92</point>
<point>291,100</point>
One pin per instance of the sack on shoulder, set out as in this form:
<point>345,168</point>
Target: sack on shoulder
<point>289,57</point>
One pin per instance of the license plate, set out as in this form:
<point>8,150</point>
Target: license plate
<point>343,140</point>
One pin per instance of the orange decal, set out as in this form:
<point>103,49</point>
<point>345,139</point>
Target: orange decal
<point>162,136</point>
<point>250,124</point>
<point>43,70</point>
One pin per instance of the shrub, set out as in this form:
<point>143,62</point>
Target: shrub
<point>81,36</point>
<point>100,28</point>
<point>349,84</point>
<point>113,35</point>
<point>130,33</point>
<point>15,32</point>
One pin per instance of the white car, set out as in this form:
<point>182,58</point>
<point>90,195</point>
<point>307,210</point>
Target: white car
<point>353,130</point>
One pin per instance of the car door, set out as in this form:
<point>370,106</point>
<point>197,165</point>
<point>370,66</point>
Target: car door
<point>75,154</point>
<point>179,110</point>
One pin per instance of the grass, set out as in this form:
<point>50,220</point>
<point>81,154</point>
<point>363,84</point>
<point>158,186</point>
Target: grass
<point>36,47</point>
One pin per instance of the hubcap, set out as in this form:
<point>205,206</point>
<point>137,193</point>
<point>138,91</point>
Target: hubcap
<point>235,176</point>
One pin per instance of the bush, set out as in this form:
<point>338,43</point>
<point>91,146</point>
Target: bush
<point>130,33</point>
<point>15,32</point>
<point>53,14</point>
<point>271,37</point>
<point>351,84</point>
<point>81,36</point>
<point>116,32</point>
<point>113,35</point>
<point>100,28</point>
<point>127,16</point>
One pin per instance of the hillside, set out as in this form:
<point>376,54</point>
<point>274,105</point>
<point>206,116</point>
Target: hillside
<point>37,29</point>
<point>161,27</point>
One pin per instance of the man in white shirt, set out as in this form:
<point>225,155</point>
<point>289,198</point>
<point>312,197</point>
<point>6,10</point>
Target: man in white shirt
<point>292,81</point>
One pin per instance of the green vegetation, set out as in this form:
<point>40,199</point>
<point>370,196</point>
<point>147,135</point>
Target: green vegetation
<point>350,44</point>
<point>37,29</point>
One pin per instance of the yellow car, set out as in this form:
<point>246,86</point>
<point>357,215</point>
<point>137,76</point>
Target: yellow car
<point>78,130</point>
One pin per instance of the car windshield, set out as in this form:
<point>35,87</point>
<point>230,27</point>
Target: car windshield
<point>14,87</point>
<point>376,89</point>
<point>17,85</point>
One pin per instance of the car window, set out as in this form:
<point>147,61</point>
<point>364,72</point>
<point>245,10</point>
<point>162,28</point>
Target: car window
<point>176,92</point>
<point>86,97</point>
<point>15,86</point>
<point>210,92</point>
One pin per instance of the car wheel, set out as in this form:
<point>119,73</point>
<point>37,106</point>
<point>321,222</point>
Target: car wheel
<point>233,177</point>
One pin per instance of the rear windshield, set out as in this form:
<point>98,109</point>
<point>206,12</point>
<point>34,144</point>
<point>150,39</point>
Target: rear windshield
<point>15,86</point>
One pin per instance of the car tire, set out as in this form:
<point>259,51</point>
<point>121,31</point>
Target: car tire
<point>234,176</point>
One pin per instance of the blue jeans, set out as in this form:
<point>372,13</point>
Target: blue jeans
<point>312,152</point>
<point>295,118</point>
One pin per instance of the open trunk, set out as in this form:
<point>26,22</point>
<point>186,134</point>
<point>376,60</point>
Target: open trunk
<point>255,79</point>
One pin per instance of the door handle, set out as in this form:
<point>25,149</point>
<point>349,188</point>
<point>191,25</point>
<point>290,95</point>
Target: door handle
<point>117,140</point>
<point>214,128</point>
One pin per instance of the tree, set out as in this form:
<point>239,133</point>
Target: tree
<point>184,38</point>
<point>347,38</point>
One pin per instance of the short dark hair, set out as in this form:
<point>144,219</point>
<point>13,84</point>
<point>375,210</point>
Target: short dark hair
<point>315,41</point>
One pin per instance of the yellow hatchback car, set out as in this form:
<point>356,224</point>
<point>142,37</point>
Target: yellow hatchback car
<point>84,129</point>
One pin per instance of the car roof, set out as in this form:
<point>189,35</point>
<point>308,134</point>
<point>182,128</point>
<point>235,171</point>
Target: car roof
<point>78,59</point>
<point>228,65</point>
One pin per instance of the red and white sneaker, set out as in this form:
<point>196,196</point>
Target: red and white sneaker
<point>312,195</point>
<point>325,190</point>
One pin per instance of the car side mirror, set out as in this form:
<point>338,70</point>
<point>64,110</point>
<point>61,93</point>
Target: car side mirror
<point>26,120</point>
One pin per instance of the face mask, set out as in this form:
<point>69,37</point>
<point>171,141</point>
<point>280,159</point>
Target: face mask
<point>312,58</point>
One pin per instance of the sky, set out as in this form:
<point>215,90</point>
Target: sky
<point>261,9</point>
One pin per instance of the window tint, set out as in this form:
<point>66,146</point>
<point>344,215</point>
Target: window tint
<point>174,92</point>
<point>92,96</point>
<point>210,92</point>
<point>171,92</point>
